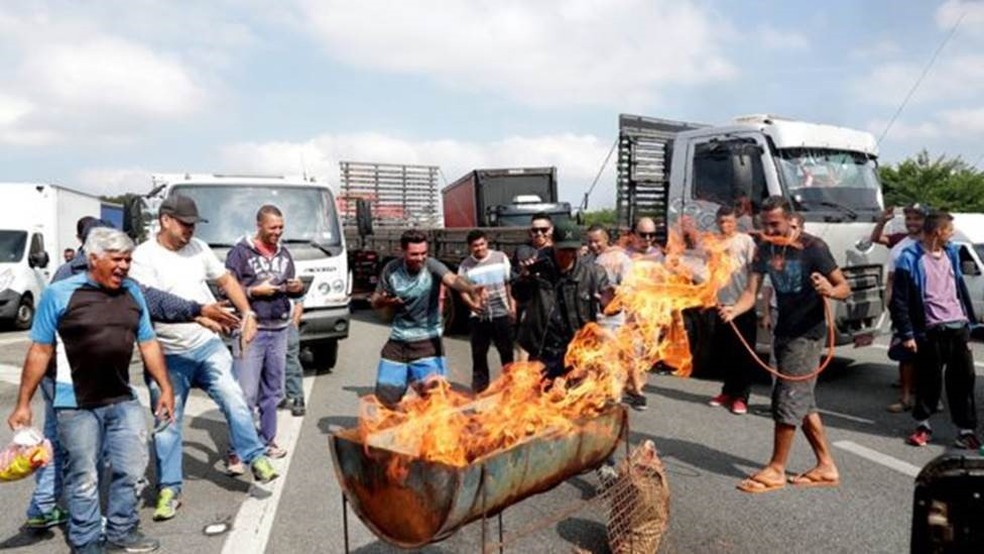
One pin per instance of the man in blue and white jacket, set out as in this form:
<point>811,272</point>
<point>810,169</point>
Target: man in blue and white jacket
<point>266,270</point>
<point>932,313</point>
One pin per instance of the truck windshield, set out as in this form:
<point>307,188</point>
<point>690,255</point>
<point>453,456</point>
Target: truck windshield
<point>820,179</point>
<point>979,248</point>
<point>12,245</point>
<point>309,212</point>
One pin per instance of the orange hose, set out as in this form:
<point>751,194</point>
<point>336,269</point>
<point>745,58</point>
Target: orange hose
<point>823,365</point>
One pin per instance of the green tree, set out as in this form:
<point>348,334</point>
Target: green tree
<point>606,217</point>
<point>947,183</point>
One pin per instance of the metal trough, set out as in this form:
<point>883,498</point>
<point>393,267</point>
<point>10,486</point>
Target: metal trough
<point>435,500</point>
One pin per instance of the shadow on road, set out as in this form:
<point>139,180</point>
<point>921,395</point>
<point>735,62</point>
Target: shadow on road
<point>27,538</point>
<point>695,455</point>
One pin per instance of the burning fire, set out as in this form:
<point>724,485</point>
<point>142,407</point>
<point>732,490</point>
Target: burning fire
<point>456,429</point>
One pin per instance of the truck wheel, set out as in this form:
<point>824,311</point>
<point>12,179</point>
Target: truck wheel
<point>324,356</point>
<point>25,313</point>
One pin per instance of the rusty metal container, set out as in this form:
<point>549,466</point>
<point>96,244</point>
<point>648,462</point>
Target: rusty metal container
<point>435,500</point>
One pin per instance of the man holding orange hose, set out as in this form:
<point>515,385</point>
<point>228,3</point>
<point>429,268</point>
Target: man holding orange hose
<point>803,273</point>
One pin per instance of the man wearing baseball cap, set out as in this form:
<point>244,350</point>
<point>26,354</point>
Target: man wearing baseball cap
<point>915,216</point>
<point>177,262</point>
<point>562,299</point>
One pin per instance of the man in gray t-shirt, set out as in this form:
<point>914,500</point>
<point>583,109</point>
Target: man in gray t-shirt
<point>411,288</point>
<point>491,323</point>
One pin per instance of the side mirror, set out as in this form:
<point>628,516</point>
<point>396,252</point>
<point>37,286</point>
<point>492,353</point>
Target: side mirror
<point>363,217</point>
<point>133,220</point>
<point>38,259</point>
<point>968,267</point>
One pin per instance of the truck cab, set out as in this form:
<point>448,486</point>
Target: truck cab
<point>312,233</point>
<point>668,169</point>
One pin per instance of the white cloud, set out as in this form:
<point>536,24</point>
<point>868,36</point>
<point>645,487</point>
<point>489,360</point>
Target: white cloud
<point>114,181</point>
<point>968,121</point>
<point>957,77</point>
<point>545,53</point>
<point>951,11</point>
<point>778,39</point>
<point>577,157</point>
<point>902,131</point>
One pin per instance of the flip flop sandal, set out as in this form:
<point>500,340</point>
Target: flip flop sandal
<point>804,481</point>
<point>754,485</point>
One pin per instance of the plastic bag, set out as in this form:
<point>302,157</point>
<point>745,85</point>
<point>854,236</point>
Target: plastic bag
<point>26,453</point>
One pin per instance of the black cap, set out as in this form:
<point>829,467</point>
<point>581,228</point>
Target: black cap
<point>567,235</point>
<point>93,223</point>
<point>182,208</point>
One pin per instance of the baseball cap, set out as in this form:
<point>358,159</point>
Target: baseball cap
<point>91,224</point>
<point>916,207</point>
<point>182,208</point>
<point>567,235</point>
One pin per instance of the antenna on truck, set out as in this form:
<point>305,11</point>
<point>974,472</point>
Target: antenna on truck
<point>584,201</point>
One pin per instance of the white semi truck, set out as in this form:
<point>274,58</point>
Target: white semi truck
<point>667,169</point>
<point>37,223</point>
<point>312,232</point>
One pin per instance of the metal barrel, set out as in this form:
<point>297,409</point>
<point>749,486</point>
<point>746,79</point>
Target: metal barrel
<point>430,501</point>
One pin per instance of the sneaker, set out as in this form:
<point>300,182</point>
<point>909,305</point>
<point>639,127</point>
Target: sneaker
<point>720,400</point>
<point>167,506</point>
<point>298,409</point>
<point>967,441</point>
<point>55,517</point>
<point>134,542</point>
<point>284,403</point>
<point>234,466</point>
<point>275,452</point>
<point>94,547</point>
<point>920,437</point>
<point>637,401</point>
<point>739,407</point>
<point>263,470</point>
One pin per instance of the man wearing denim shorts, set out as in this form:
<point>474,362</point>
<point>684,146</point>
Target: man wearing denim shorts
<point>176,262</point>
<point>803,273</point>
<point>411,287</point>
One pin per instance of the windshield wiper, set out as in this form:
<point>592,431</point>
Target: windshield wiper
<point>327,249</point>
<point>830,204</point>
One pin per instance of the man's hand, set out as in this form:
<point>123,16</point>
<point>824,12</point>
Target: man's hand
<point>727,313</point>
<point>218,313</point>
<point>294,286</point>
<point>480,296</point>
<point>20,417</point>
<point>910,345</point>
<point>248,328</point>
<point>887,214</point>
<point>386,300</point>
<point>212,325</point>
<point>605,296</point>
<point>266,288</point>
<point>821,284</point>
<point>164,410</point>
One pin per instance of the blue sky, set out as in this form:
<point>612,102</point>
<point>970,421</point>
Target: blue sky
<point>100,95</point>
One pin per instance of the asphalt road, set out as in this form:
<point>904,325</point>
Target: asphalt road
<point>706,451</point>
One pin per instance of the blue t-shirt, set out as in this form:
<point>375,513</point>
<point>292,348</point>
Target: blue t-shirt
<point>93,330</point>
<point>419,318</point>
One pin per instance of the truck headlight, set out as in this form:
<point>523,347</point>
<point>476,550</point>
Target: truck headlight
<point>338,286</point>
<point>324,289</point>
<point>6,279</point>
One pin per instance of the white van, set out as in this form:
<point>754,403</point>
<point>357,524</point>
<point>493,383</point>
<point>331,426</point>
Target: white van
<point>969,236</point>
<point>37,223</point>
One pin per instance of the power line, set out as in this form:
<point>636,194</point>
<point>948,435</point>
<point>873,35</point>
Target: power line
<point>921,77</point>
<point>584,202</point>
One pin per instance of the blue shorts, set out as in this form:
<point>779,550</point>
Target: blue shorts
<point>405,364</point>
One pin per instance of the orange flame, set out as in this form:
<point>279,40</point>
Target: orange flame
<point>456,428</point>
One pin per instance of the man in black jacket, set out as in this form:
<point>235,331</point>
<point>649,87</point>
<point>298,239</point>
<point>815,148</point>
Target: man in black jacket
<point>562,297</point>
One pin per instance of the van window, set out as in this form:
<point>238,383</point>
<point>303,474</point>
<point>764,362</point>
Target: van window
<point>729,172</point>
<point>965,257</point>
<point>12,245</point>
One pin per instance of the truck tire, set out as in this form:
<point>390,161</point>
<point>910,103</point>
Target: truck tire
<point>25,313</point>
<point>454,314</point>
<point>324,356</point>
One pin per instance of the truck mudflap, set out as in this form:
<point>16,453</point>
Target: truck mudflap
<point>859,318</point>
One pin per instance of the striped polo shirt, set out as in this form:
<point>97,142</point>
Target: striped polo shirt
<point>493,273</point>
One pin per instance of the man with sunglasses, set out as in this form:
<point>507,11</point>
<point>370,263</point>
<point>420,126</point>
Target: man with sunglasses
<point>531,258</point>
<point>643,239</point>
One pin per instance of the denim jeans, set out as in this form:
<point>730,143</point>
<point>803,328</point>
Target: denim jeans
<point>293,372</point>
<point>48,480</point>
<point>208,367</point>
<point>260,372</point>
<point>120,432</point>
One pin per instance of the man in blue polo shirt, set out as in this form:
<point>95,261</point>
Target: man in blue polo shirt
<point>93,320</point>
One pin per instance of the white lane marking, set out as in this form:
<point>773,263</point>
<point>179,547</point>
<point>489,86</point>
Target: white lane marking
<point>875,456</point>
<point>254,521</point>
<point>10,374</point>
<point>847,417</point>
<point>884,347</point>
<point>15,339</point>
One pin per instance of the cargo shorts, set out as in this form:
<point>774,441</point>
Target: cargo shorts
<point>794,400</point>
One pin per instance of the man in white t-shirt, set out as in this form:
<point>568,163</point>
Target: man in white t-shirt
<point>915,216</point>
<point>176,262</point>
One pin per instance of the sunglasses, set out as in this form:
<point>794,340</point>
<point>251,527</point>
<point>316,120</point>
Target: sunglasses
<point>540,230</point>
<point>647,235</point>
